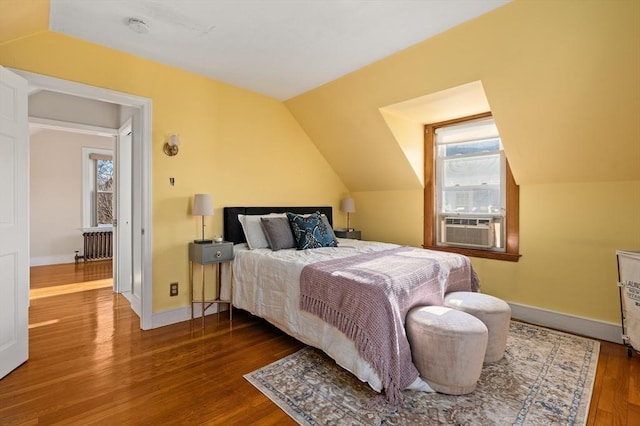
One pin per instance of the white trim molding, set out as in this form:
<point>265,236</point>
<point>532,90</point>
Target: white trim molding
<point>67,126</point>
<point>89,183</point>
<point>173,316</point>
<point>573,324</point>
<point>52,260</point>
<point>582,326</point>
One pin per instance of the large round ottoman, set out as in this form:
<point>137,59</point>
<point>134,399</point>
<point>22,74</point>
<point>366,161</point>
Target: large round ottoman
<point>447,347</point>
<point>493,312</point>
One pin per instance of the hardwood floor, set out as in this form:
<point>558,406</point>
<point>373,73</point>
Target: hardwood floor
<point>69,273</point>
<point>91,364</point>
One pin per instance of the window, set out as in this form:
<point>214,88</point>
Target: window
<point>97,187</point>
<point>471,199</point>
<point>103,200</point>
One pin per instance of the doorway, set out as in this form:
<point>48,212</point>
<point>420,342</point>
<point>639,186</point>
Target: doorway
<point>139,109</point>
<point>71,167</point>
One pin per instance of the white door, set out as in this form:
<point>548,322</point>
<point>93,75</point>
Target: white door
<point>14,219</point>
<point>122,230</point>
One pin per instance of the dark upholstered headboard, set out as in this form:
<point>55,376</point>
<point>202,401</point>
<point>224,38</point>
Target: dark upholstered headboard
<point>233,230</point>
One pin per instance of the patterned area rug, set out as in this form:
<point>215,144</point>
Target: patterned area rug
<point>546,377</point>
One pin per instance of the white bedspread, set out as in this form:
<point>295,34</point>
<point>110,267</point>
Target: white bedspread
<point>266,283</point>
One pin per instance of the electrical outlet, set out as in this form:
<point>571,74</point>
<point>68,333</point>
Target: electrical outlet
<point>173,289</point>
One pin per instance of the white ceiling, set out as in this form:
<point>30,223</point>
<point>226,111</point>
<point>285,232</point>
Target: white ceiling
<point>280,48</point>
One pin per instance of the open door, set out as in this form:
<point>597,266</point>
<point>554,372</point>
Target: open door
<point>14,220</point>
<point>122,226</point>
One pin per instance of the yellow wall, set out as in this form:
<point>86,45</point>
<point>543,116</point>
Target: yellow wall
<point>409,135</point>
<point>561,78</point>
<point>391,216</point>
<point>22,18</point>
<point>569,234</point>
<point>241,147</point>
<point>563,81</point>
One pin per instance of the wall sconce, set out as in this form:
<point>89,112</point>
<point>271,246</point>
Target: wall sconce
<point>348,206</point>
<point>171,145</point>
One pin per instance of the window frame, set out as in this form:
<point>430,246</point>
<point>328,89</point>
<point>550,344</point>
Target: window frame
<point>89,185</point>
<point>512,237</point>
<point>96,191</point>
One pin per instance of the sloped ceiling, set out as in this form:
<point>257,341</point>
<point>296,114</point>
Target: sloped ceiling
<point>279,48</point>
<point>561,78</point>
<point>406,119</point>
<point>26,18</point>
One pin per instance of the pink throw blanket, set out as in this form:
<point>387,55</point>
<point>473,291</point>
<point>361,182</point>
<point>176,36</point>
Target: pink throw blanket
<point>367,297</point>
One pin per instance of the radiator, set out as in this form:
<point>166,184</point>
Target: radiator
<point>97,246</point>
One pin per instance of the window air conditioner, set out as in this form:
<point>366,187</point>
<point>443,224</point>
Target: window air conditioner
<point>468,231</point>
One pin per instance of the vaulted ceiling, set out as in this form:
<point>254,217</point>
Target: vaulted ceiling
<point>560,77</point>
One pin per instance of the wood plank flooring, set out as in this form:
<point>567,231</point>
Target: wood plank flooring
<point>91,364</point>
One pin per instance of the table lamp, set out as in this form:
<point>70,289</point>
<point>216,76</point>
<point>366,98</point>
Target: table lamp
<point>349,206</point>
<point>202,206</point>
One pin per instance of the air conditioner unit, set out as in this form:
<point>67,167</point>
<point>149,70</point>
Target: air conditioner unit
<point>468,231</point>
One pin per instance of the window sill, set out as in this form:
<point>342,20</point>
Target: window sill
<point>485,254</point>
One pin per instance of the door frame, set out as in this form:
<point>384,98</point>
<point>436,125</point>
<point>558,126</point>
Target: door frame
<point>142,302</point>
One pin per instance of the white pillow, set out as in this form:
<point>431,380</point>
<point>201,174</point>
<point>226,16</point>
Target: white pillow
<point>253,230</point>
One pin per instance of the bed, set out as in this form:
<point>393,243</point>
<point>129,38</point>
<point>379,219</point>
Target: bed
<point>267,283</point>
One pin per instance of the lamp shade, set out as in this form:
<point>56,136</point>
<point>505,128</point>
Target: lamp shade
<point>174,140</point>
<point>202,205</point>
<point>348,205</point>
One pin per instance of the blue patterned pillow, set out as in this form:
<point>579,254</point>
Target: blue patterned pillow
<point>310,231</point>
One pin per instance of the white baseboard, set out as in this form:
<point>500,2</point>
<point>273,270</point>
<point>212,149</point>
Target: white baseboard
<point>582,326</point>
<point>51,260</point>
<point>588,327</point>
<point>134,302</point>
<point>172,316</point>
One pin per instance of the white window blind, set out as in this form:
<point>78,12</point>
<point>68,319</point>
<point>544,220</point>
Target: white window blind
<point>470,185</point>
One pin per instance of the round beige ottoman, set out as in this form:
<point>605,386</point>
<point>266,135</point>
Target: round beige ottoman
<point>493,312</point>
<point>447,347</point>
